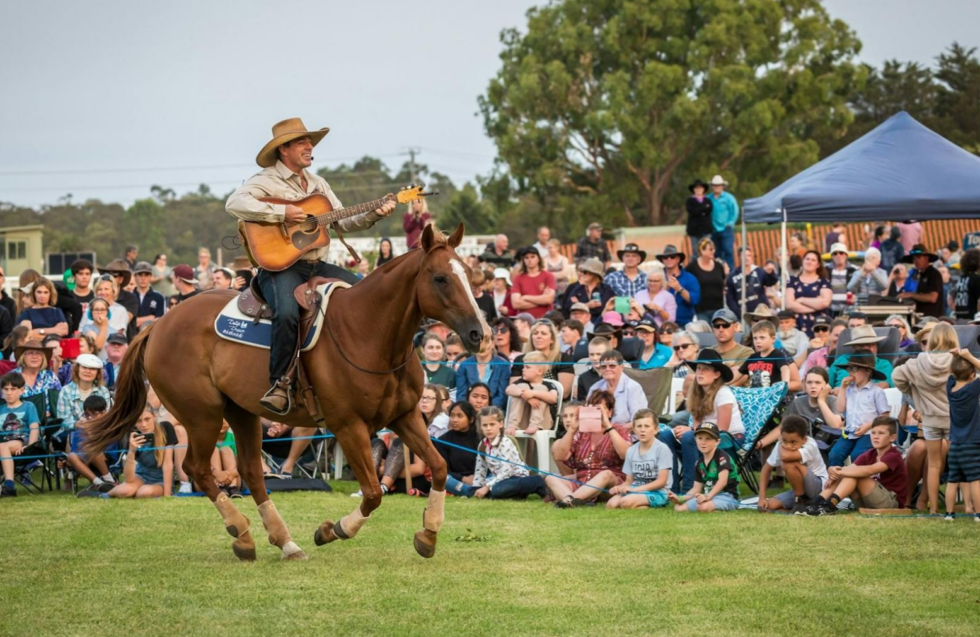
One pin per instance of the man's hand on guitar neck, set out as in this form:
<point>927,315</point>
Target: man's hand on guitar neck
<point>386,209</point>
<point>294,215</point>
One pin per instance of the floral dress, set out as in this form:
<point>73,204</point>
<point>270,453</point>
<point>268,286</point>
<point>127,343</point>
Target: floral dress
<point>804,322</point>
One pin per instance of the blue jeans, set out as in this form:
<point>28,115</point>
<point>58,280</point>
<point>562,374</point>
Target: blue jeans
<point>277,288</point>
<point>510,489</point>
<point>725,245</point>
<point>845,447</point>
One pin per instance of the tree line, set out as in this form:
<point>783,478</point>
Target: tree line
<point>604,110</point>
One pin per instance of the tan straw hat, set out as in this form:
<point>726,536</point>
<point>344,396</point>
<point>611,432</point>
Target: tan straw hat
<point>284,132</point>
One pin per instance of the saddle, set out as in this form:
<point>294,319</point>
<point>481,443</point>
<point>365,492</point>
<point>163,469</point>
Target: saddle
<point>252,303</point>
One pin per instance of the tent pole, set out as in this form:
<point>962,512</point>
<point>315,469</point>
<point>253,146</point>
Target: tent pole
<point>741,264</point>
<point>784,259</point>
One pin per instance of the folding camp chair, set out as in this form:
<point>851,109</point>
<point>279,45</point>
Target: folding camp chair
<point>656,384</point>
<point>761,409</point>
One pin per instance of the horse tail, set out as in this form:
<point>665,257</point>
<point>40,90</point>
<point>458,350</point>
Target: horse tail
<point>130,399</point>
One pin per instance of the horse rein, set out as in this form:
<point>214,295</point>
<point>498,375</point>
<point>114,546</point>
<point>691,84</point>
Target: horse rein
<point>326,325</point>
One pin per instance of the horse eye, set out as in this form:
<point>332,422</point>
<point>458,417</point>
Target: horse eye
<point>441,279</point>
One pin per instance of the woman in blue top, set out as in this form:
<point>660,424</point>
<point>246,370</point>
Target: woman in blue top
<point>33,360</point>
<point>655,354</point>
<point>42,318</point>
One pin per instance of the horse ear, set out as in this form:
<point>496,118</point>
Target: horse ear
<point>456,237</point>
<point>428,238</point>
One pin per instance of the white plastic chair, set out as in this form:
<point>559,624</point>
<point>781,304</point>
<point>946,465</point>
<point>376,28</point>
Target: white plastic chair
<point>542,437</point>
<point>894,397</point>
<point>676,385</point>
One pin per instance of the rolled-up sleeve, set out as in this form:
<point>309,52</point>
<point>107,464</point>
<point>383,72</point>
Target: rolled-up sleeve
<point>244,203</point>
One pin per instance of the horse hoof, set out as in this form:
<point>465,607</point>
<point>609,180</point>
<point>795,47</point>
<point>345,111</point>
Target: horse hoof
<point>422,545</point>
<point>324,534</point>
<point>244,553</point>
<point>298,555</point>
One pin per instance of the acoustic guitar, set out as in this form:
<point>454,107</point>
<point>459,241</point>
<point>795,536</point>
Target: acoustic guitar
<point>276,246</point>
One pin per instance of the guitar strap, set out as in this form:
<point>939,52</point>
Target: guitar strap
<point>353,253</point>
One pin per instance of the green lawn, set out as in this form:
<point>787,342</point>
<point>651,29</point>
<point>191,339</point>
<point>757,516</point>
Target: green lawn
<point>165,567</point>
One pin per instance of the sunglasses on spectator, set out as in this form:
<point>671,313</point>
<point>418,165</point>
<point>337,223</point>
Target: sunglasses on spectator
<point>608,365</point>
<point>629,332</point>
<point>682,346</point>
<point>667,331</point>
<point>721,325</point>
<point>821,328</point>
<point>500,329</point>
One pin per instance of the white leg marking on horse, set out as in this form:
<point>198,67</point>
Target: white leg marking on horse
<point>289,548</point>
<point>434,511</point>
<point>353,522</point>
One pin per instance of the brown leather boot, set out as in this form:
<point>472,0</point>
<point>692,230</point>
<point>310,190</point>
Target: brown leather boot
<point>277,399</point>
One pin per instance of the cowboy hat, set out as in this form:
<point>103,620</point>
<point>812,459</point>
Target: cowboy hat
<point>671,251</point>
<point>284,132</point>
<point>864,335</point>
<point>919,250</point>
<point>697,182</point>
<point>867,361</point>
<point>718,180</point>
<point>923,332</point>
<point>762,311</point>
<point>712,358</point>
<point>631,247</point>
<point>120,267</point>
<point>592,266</point>
<point>35,345</point>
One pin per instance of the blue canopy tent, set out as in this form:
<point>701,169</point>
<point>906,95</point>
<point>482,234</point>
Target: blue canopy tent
<point>901,171</point>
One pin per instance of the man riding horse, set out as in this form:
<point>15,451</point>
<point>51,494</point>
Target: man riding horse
<point>284,176</point>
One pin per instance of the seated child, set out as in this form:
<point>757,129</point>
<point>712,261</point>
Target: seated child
<point>877,479</point>
<point>716,485</point>
<point>20,427</point>
<point>149,468</point>
<point>860,401</point>
<point>224,465</point>
<point>500,472</point>
<point>815,404</point>
<point>93,407</point>
<point>768,365</point>
<point>648,467</point>
<point>963,390</point>
<point>798,455</point>
<point>531,399</point>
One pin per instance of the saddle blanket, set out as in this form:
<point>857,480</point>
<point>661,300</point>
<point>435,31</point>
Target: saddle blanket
<point>232,325</point>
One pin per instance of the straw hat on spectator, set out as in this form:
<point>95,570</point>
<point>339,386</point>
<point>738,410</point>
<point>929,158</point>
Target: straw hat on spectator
<point>592,266</point>
<point>762,312</point>
<point>864,335</point>
<point>120,267</point>
<point>35,345</point>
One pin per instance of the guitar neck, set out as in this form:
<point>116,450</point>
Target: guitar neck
<point>334,216</point>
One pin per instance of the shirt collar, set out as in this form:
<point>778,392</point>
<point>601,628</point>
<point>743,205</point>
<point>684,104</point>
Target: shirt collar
<point>283,171</point>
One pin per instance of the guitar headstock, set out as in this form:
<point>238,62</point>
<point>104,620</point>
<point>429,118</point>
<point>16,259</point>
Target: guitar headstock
<point>412,192</point>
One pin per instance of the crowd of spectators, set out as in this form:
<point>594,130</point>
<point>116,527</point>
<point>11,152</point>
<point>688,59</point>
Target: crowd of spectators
<point>565,330</point>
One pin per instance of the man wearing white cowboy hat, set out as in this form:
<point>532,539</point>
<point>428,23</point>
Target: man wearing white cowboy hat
<point>284,160</point>
<point>724,216</point>
<point>865,341</point>
<point>630,280</point>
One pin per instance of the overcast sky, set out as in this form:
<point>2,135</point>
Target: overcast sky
<point>103,99</point>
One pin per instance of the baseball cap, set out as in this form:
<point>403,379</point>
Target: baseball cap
<point>119,339</point>
<point>595,226</point>
<point>646,325</point>
<point>91,361</point>
<point>143,267</point>
<point>724,315</point>
<point>527,317</point>
<point>821,321</point>
<point>578,307</point>
<point>709,428</point>
<point>185,273</point>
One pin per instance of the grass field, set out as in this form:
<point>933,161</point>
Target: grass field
<point>165,567</point>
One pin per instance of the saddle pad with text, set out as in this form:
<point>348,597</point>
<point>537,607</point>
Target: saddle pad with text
<point>234,326</point>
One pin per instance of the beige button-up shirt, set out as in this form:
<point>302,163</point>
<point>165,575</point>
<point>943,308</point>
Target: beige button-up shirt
<point>281,183</point>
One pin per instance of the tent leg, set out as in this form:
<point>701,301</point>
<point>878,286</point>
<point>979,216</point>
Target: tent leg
<point>784,261</point>
<point>741,264</point>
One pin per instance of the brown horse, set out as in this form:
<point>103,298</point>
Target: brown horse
<point>363,370</point>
